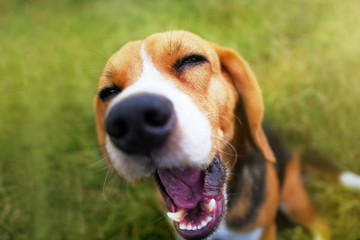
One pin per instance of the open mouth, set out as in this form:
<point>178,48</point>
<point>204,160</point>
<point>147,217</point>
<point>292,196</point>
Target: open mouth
<point>194,198</point>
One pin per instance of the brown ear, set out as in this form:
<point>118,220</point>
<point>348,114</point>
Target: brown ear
<point>100,109</point>
<point>245,83</point>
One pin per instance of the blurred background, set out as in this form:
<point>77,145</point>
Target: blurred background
<point>53,181</point>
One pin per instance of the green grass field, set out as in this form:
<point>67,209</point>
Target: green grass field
<point>53,183</point>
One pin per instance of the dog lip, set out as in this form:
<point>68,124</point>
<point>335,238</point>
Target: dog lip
<point>190,189</point>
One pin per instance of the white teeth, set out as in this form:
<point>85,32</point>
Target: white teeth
<point>211,205</point>
<point>203,223</point>
<point>191,227</point>
<point>182,226</point>
<point>176,216</point>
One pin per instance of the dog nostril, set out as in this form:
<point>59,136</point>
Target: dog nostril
<point>119,129</point>
<point>156,118</point>
<point>158,115</point>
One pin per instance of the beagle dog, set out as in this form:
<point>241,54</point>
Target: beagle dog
<point>188,113</point>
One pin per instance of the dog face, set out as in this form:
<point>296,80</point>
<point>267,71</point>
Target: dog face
<point>165,107</point>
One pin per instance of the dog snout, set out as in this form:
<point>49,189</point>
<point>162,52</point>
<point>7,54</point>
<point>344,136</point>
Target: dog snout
<point>140,124</point>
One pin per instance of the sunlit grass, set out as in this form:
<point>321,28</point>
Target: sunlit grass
<point>305,54</point>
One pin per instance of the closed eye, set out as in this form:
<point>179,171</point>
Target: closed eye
<point>191,60</point>
<point>108,92</point>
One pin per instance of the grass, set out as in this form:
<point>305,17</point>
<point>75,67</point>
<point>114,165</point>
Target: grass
<point>52,182</point>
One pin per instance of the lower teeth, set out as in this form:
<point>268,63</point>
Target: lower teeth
<point>189,226</point>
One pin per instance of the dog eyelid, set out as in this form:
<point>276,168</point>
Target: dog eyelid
<point>108,92</point>
<point>190,60</point>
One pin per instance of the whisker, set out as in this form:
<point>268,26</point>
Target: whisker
<point>113,71</point>
<point>158,219</point>
<point>104,184</point>
<point>235,155</point>
<point>94,67</point>
<point>227,144</point>
<point>106,180</point>
<point>103,168</point>
<point>99,164</point>
<point>213,114</point>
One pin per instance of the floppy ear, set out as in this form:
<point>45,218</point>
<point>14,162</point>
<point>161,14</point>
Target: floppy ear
<point>99,109</point>
<point>250,95</point>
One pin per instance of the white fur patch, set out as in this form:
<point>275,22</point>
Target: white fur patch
<point>129,167</point>
<point>188,145</point>
<point>350,180</point>
<point>224,233</point>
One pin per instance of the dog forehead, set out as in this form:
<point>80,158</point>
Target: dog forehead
<point>168,46</point>
<point>167,43</point>
<point>126,65</point>
<point>174,41</point>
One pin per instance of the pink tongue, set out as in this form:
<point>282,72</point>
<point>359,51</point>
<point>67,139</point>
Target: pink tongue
<point>183,185</point>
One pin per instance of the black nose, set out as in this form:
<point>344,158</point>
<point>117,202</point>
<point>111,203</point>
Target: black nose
<point>140,124</point>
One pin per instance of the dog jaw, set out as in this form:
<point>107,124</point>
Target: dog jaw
<point>195,198</point>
